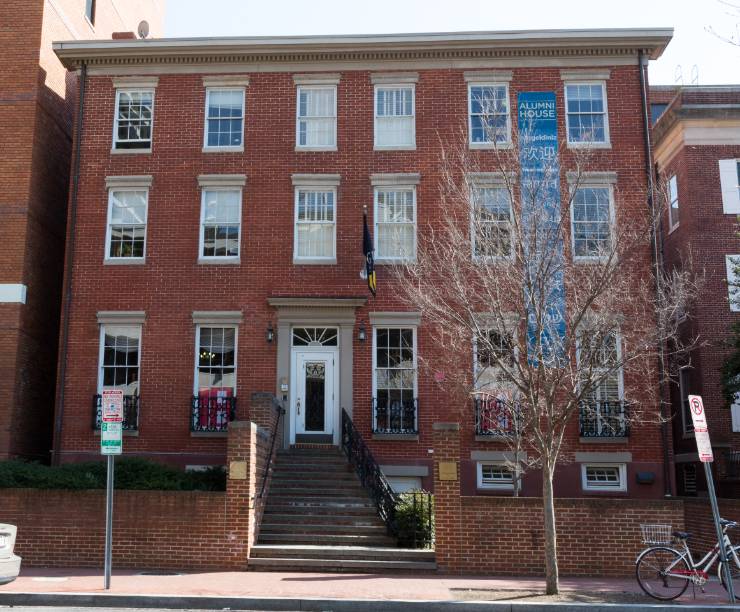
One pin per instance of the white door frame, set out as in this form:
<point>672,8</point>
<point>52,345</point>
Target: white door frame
<point>333,416</point>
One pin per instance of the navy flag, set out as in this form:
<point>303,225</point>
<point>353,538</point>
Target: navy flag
<point>367,249</point>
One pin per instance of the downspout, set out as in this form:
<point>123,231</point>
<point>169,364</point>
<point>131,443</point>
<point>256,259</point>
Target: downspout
<point>64,342</point>
<point>656,253</point>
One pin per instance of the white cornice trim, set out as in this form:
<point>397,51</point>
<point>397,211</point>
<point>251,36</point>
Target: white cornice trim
<point>585,75</point>
<point>395,318</point>
<point>592,178</point>
<point>411,178</point>
<point>490,178</point>
<point>488,76</point>
<point>144,180</point>
<point>116,317</point>
<point>317,78</point>
<point>222,180</point>
<point>310,180</point>
<point>217,317</point>
<point>393,78</point>
<point>135,82</point>
<point>226,80</point>
<point>305,302</point>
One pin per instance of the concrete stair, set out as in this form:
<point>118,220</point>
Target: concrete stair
<point>319,518</point>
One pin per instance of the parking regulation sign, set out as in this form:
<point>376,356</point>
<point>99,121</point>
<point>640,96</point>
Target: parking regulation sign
<point>701,432</point>
<point>111,438</point>
<point>112,406</point>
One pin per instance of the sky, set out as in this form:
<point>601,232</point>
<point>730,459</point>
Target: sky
<point>694,55</point>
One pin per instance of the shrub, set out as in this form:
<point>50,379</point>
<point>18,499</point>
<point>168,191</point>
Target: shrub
<point>415,519</point>
<point>130,473</point>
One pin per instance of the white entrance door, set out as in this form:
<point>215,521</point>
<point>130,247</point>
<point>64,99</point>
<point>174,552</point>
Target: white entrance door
<point>315,392</point>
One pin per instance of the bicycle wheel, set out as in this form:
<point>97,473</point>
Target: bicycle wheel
<point>655,573</point>
<point>734,572</point>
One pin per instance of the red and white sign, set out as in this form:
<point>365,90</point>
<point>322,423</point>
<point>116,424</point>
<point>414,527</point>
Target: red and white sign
<point>701,433</point>
<point>112,406</point>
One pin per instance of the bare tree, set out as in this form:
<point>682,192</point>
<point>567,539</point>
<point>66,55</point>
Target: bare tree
<point>732,10</point>
<point>553,290</point>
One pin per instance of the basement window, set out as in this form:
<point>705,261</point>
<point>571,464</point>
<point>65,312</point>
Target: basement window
<point>495,475</point>
<point>604,477</point>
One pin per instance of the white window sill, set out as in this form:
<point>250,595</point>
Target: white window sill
<point>589,145</point>
<point>588,259</point>
<point>115,151</point>
<point>390,261</point>
<point>493,259</point>
<point>673,228</point>
<point>495,437</point>
<point>491,145</point>
<point>124,261</point>
<point>308,261</point>
<point>329,149</point>
<point>220,261</point>
<point>223,149</point>
<point>394,147</point>
<point>498,488</point>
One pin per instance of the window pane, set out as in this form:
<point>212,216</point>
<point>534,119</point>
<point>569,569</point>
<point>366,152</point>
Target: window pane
<point>120,359</point>
<point>591,222</point>
<point>586,113</point>
<point>216,358</point>
<point>225,118</point>
<point>134,119</point>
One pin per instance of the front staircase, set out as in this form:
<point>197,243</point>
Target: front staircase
<point>319,518</point>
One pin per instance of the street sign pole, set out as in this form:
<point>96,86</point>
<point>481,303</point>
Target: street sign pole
<point>111,444</point>
<point>109,520</point>
<point>706,456</point>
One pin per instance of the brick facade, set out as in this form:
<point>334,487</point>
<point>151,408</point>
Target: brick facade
<point>697,129</point>
<point>36,114</point>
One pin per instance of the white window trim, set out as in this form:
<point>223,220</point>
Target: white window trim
<point>374,364</point>
<point>300,147</point>
<point>612,221</point>
<point>734,300</point>
<point>622,467</point>
<point>412,188</point>
<point>228,148</point>
<point>328,260</point>
<point>107,259</point>
<point>671,225</point>
<point>606,143</point>
<point>490,258</point>
<point>198,327</point>
<point>101,349</point>
<point>729,180</point>
<point>216,259</point>
<point>131,89</point>
<point>618,340</point>
<point>505,144</point>
<point>488,329</point>
<point>492,486</point>
<point>397,85</point>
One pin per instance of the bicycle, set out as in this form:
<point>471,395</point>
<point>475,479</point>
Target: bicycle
<point>664,572</point>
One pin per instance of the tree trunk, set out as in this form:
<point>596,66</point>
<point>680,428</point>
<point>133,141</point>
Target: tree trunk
<point>551,548</point>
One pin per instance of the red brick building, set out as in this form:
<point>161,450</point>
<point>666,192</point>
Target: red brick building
<point>218,236</point>
<point>37,102</point>
<point>697,152</point>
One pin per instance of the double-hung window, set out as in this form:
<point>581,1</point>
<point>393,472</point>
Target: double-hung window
<point>395,116</point>
<point>394,380</point>
<point>395,223</point>
<point>493,351</point>
<point>732,263</point>
<point>586,116</point>
<point>316,119</point>
<point>729,178</point>
<point>591,221</point>
<point>119,358</point>
<point>488,114</point>
<point>672,188</point>
<point>315,220</point>
<point>224,123</point>
<point>491,222</point>
<point>215,377</point>
<point>134,117</point>
<point>684,388</point>
<point>220,217</point>
<point>125,237</point>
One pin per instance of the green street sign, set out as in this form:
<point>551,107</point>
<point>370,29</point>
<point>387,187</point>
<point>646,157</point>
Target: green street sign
<point>111,438</point>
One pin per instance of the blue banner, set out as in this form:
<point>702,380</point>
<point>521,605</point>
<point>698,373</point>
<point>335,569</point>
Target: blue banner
<point>541,212</point>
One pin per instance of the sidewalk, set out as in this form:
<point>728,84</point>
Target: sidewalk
<point>278,591</point>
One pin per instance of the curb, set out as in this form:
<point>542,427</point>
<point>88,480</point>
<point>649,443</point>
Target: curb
<point>290,604</point>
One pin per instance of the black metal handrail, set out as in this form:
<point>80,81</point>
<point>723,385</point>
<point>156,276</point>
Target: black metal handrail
<point>130,412</point>
<point>273,437</point>
<point>211,414</point>
<point>604,419</point>
<point>370,474</point>
<point>495,416</point>
<point>395,416</point>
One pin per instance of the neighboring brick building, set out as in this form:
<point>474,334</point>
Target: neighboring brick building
<point>214,261</point>
<point>696,136</point>
<point>37,101</point>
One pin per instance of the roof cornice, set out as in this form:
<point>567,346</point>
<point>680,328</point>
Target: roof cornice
<point>359,48</point>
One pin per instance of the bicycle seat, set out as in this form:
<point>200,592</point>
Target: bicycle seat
<point>681,535</point>
<point>726,523</point>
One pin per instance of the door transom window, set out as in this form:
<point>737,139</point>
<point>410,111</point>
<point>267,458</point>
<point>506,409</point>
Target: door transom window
<point>314,336</point>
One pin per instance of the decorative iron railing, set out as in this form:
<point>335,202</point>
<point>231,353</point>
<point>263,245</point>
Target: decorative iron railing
<point>395,416</point>
<point>494,416</point>
<point>279,411</point>
<point>211,414</point>
<point>604,420</point>
<point>130,412</point>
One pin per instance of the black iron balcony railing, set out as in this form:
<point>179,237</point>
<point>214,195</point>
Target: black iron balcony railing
<point>494,416</point>
<point>211,414</point>
<point>130,412</point>
<point>395,416</point>
<point>604,420</point>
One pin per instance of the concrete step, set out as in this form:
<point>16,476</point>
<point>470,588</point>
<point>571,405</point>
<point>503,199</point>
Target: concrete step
<point>321,528</point>
<point>315,518</point>
<point>320,476</point>
<point>313,464</point>
<point>325,539</point>
<point>307,491</point>
<point>307,551</point>
<point>326,507</point>
<point>258,564</point>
